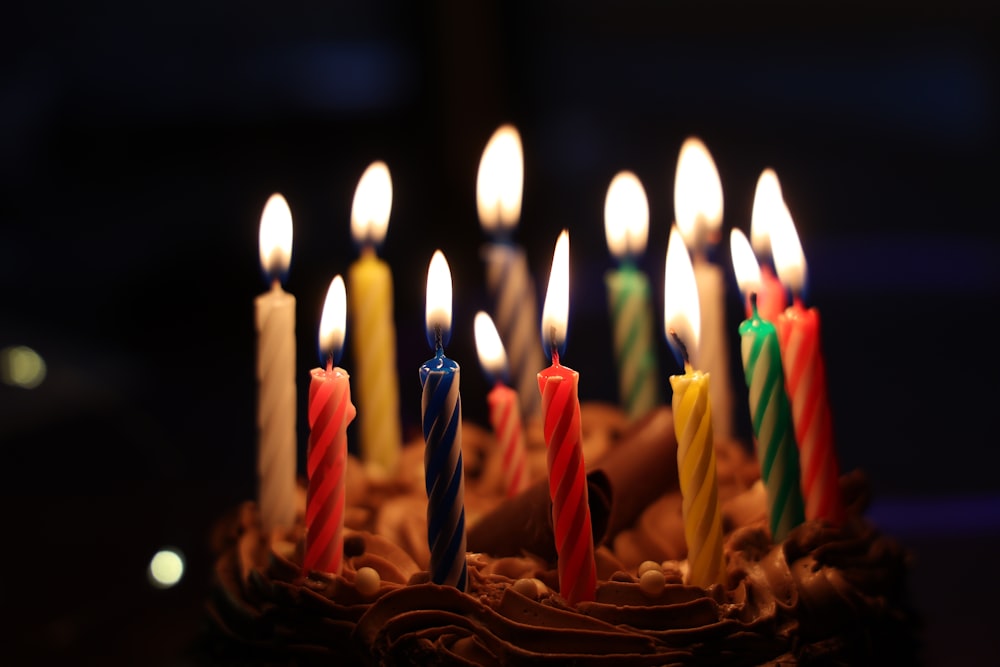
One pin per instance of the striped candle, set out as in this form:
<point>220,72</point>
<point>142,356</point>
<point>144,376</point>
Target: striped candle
<point>499,186</point>
<point>767,201</point>
<point>805,379</point>
<point>504,409</point>
<point>374,341</point>
<point>563,435</point>
<point>330,411</point>
<point>626,226</point>
<point>771,416</point>
<point>441,419</point>
<point>692,408</point>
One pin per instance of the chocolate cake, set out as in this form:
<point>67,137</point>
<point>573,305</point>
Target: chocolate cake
<point>827,595</point>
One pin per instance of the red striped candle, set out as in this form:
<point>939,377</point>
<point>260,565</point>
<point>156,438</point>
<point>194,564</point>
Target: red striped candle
<point>563,437</point>
<point>805,381</point>
<point>505,412</point>
<point>771,297</point>
<point>330,411</point>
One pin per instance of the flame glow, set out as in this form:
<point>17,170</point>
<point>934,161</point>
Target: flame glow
<point>275,237</point>
<point>789,261</point>
<point>767,204</point>
<point>745,264</point>
<point>626,216</point>
<point>681,311</point>
<point>555,313</point>
<point>492,356</point>
<point>332,323</point>
<point>372,204</point>
<point>697,194</point>
<point>500,181</point>
<point>438,313</point>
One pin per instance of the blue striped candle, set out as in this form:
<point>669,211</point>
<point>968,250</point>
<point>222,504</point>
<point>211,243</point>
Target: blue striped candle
<point>441,418</point>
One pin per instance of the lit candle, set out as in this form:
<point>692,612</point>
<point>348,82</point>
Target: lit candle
<point>441,417</point>
<point>499,185</point>
<point>770,412</point>
<point>274,315</point>
<point>626,226</point>
<point>805,379</point>
<point>505,411</point>
<point>771,297</point>
<point>374,341</point>
<point>698,212</point>
<point>692,406</point>
<point>330,411</point>
<point>563,437</point>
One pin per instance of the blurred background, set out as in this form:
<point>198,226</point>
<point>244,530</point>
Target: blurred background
<point>140,143</point>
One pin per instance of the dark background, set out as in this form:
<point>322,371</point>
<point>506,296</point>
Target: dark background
<point>138,146</point>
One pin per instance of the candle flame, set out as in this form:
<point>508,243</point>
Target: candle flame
<point>681,311</point>
<point>333,322</point>
<point>767,203</point>
<point>492,356</point>
<point>372,204</point>
<point>555,313</point>
<point>275,236</point>
<point>626,216</point>
<point>438,313</point>
<point>789,261</point>
<point>697,194</point>
<point>500,180</point>
<point>745,264</point>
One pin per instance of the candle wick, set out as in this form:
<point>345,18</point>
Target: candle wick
<point>329,363</point>
<point>438,339</point>
<point>680,345</point>
<point>554,347</point>
<point>753,303</point>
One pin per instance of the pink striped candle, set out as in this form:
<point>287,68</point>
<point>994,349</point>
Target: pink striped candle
<point>330,411</point>
<point>805,381</point>
<point>505,412</point>
<point>563,437</point>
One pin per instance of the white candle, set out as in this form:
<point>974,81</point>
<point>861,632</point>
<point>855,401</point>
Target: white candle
<point>499,185</point>
<point>276,410</point>
<point>698,213</point>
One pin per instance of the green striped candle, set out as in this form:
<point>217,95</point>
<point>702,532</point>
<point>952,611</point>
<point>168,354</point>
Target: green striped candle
<point>626,224</point>
<point>771,415</point>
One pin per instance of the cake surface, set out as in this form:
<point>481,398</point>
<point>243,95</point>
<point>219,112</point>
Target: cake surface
<point>826,595</point>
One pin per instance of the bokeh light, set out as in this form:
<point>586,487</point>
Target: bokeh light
<point>21,366</point>
<point>166,568</point>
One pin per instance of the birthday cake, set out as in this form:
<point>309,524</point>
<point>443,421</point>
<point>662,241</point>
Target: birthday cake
<point>825,595</point>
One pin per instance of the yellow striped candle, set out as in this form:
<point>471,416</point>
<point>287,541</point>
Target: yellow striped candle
<point>692,422</point>
<point>626,226</point>
<point>373,343</point>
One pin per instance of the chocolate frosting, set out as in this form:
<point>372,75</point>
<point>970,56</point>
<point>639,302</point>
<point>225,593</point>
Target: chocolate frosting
<point>827,595</point>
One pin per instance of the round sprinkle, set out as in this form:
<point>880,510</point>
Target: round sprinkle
<point>526,587</point>
<point>647,565</point>
<point>367,581</point>
<point>651,582</point>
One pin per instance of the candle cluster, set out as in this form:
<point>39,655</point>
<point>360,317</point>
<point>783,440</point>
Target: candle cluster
<point>780,348</point>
